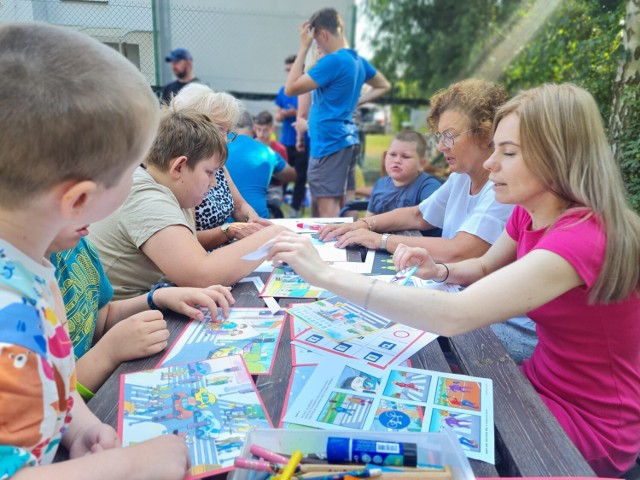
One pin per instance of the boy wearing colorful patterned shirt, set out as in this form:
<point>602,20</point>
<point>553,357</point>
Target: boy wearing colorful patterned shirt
<point>75,119</point>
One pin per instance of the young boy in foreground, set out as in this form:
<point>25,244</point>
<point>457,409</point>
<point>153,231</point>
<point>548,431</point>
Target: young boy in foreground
<point>76,118</point>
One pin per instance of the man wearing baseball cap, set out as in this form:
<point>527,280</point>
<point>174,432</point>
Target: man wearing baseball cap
<point>182,64</point>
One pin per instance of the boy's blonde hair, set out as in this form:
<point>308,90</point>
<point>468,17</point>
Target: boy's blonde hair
<point>187,133</point>
<point>476,99</point>
<point>564,144</point>
<point>413,137</point>
<point>223,109</point>
<point>71,108</point>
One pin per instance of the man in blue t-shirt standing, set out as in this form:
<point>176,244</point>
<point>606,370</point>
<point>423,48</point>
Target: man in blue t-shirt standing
<point>335,82</point>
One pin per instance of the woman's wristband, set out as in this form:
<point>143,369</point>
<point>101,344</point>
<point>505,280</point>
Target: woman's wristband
<point>371,225</point>
<point>366,298</point>
<point>153,306</point>
<point>445,277</point>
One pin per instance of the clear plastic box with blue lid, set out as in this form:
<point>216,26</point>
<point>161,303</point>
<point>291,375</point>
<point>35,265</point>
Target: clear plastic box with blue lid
<point>433,448</point>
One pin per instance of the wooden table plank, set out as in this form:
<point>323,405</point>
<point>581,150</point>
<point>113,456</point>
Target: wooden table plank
<point>529,440</point>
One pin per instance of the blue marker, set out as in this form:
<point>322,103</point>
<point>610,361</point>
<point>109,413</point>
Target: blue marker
<point>403,276</point>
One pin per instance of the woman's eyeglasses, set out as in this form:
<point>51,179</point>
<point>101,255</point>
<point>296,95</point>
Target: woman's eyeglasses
<point>447,138</point>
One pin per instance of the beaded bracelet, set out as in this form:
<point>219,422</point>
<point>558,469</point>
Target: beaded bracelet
<point>445,277</point>
<point>153,306</point>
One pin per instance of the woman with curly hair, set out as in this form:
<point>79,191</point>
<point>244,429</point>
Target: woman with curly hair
<point>464,207</point>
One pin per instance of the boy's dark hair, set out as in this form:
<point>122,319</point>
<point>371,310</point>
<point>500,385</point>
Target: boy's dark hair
<point>187,133</point>
<point>263,118</point>
<point>290,59</point>
<point>327,19</point>
<point>414,137</point>
<point>71,108</point>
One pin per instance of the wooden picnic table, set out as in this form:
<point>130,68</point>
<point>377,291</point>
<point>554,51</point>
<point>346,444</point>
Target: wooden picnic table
<point>529,441</point>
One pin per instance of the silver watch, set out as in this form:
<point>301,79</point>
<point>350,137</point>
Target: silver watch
<point>225,230</point>
<point>383,241</point>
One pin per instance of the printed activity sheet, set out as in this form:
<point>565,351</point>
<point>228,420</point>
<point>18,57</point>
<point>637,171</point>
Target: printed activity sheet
<point>300,354</point>
<point>351,395</point>
<point>389,346</point>
<point>253,333</point>
<point>212,404</point>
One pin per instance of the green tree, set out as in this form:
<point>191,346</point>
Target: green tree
<point>624,124</point>
<point>580,44</point>
<point>592,43</point>
<point>428,43</point>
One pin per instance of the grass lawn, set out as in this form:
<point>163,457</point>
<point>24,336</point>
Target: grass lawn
<point>374,149</point>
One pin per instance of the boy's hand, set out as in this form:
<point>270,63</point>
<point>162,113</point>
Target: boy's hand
<point>190,301</point>
<point>96,438</point>
<point>161,458</point>
<point>138,336</point>
<point>306,35</point>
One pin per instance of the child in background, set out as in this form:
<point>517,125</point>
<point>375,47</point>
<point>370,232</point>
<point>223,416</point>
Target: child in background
<point>105,333</point>
<point>406,184</point>
<point>76,118</point>
<point>263,129</point>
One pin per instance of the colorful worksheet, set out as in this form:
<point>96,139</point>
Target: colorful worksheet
<point>212,404</point>
<point>285,283</point>
<point>351,395</point>
<point>300,354</point>
<point>339,319</point>
<point>388,346</point>
<point>253,333</point>
<point>300,375</point>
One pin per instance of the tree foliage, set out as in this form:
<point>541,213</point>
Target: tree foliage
<point>425,44</point>
<point>581,44</point>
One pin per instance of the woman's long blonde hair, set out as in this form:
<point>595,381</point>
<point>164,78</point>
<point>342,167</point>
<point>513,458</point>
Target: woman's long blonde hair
<point>564,144</point>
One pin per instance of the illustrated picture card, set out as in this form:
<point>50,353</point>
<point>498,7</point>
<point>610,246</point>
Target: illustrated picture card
<point>338,318</point>
<point>253,333</point>
<point>212,404</point>
<point>285,283</point>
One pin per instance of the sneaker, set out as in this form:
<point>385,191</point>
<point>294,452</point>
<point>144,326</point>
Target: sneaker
<point>293,213</point>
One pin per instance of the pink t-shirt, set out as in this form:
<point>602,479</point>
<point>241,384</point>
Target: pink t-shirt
<point>586,366</point>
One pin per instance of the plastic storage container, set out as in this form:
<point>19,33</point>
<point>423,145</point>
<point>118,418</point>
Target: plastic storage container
<point>439,448</point>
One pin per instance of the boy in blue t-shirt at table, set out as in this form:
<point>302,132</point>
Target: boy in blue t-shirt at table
<point>406,184</point>
<point>105,333</point>
<point>76,118</point>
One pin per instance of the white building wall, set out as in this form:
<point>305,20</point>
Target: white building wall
<point>237,46</point>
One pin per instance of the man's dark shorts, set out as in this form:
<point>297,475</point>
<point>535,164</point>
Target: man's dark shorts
<point>333,175</point>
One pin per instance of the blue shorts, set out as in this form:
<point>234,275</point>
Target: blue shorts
<point>334,174</point>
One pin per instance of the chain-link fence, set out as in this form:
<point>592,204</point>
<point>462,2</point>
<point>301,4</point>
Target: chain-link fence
<point>237,47</point>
